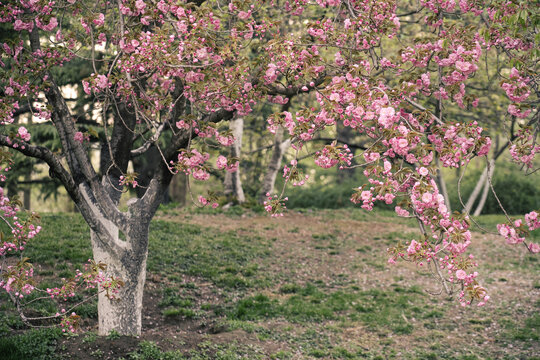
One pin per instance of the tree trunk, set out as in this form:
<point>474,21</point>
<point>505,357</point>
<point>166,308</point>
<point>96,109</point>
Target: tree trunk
<point>178,189</point>
<point>346,135</point>
<point>483,181</point>
<point>144,167</point>
<point>280,147</point>
<point>442,186</point>
<point>476,191</point>
<point>27,192</point>
<point>485,193</point>
<point>124,313</point>
<point>98,200</point>
<point>232,183</point>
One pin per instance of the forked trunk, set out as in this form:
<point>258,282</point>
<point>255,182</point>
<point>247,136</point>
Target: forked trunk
<point>280,148</point>
<point>124,313</point>
<point>485,193</point>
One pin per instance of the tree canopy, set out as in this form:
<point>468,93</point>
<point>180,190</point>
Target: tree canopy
<point>414,79</point>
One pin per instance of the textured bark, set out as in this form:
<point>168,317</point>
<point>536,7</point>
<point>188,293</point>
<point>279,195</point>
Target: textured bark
<point>280,147</point>
<point>123,314</point>
<point>126,260</point>
<point>97,200</point>
<point>233,183</point>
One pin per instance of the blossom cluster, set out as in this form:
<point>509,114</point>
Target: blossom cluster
<point>231,165</point>
<point>275,205</point>
<point>293,175</point>
<point>332,155</point>
<point>524,148</point>
<point>516,232</point>
<point>192,163</point>
<point>128,179</point>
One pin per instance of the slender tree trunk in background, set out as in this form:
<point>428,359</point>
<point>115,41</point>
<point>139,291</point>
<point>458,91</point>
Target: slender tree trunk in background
<point>178,189</point>
<point>12,189</point>
<point>280,147</point>
<point>144,166</point>
<point>11,186</point>
<point>27,192</point>
<point>489,176</point>
<point>483,181</point>
<point>442,185</point>
<point>476,191</point>
<point>232,183</point>
<point>344,134</point>
<point>485,193</point>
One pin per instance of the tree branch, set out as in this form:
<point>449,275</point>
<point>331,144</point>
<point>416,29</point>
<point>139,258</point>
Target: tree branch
<point>294,90</point>
<point>39,152</point>
<point>78,160</point>
<point>57,170</point>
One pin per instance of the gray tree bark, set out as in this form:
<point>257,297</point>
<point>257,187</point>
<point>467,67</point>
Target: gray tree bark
<point>280,147</point>
<point>485,192</point>
<point>346,135</point>
<point>123,314</point>
<point>233,183</point>
<point>442,186</point>
<point>476,191</point>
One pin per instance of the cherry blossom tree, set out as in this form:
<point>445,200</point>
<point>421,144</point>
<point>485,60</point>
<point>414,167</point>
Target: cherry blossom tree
<point>166,75</point>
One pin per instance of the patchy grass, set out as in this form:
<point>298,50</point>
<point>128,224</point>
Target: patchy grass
<point>377,310</point>
<point>33,344</point>
<point>225,258</point>
<point>312,285</point>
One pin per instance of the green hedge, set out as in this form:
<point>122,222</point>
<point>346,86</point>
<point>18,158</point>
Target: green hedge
<point>518,193</point>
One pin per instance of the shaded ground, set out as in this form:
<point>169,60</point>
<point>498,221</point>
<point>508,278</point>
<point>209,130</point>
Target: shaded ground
<point>314,285</point>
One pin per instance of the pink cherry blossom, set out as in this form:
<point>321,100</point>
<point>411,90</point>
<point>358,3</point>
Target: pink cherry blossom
<point>23,133</point>
<point>102,82</point>
<point>461,275</point>
<point>534,248</point>
<point>221,162</point>
<point>243,15</point>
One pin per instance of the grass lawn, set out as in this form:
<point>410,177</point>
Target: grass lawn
<point>311,285</point>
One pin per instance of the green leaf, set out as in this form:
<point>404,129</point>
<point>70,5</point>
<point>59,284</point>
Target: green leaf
<point>93,132</point>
